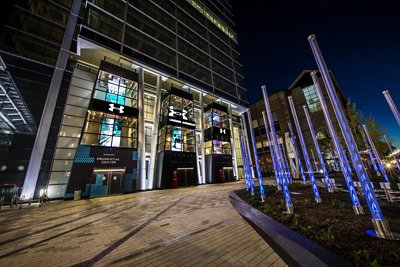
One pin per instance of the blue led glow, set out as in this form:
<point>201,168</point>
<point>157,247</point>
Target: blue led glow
<point>274,159</point>
<point>344,163</point>
<point>284,183</point>
<point>321,160</point>
<point>369,152</point>
<point>293,137</point>
<point>303,147</point>
<point>247,167</point>
<point>286,161</point>
<point>358,165</point>
<point>259,174</point>
<point>372,145</point>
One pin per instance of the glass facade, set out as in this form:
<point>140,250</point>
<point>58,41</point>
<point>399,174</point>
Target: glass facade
<point>312,98</point>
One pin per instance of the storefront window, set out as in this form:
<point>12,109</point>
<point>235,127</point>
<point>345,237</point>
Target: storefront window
<point>174,138</point>
<point>116,89</point>
<point>109,130</point>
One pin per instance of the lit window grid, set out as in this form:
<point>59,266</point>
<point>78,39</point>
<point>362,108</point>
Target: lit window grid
<point>312,98</point>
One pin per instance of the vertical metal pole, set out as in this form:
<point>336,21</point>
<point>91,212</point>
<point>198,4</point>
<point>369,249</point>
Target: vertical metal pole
<point>369,151</point>
<point>235,168</point>
<point>344,163</point>
<point>317,148</point>
<point>314,161</point>
<point>274,159</point>
<point>259,175</point>
<point>247,167</point>
<point>371,143</point>
<point>154,135</point>
<point>141,137</point>
<point>293,137</point>
<point>305,153</point>
<point>246,140</point>
<point>392,105</point>
<point>286,192</point>
<point>391,152</point>
<point>380,224</point>
<point>286,161</point>
<point>203,152</point>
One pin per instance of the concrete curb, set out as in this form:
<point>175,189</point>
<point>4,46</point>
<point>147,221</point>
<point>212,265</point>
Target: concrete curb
<point>294,249</point>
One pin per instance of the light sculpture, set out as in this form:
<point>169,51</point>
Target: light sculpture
<point>305,153</point>
<point>293,137</point>
<point>286,161</point>
<point>391,152</point>
<point>317,148</point>
<point>285,188</point>
<point>381,226</point>
<point>392,105</point>
<point>369,152</point>
<point>372,145</point>
<point>259,175</point>
<point>344,163</point>
<point>247,167</point>
<point>273,156</point>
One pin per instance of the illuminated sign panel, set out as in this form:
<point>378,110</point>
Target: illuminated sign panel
<point>211,17</point>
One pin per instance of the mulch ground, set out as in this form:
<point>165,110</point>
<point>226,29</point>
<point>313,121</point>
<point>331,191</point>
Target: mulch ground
<point>333,224</point>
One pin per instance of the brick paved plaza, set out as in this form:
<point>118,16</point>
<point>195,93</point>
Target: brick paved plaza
<point>182,227</point>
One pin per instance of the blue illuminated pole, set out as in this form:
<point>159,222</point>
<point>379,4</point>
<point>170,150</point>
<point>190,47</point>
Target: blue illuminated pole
<point>246,167</point>
<point>392,105</point>
<point>285,188</point>
<point>305,153</point>
<point>381,226</point>
<point>314,161</point>
<point>286,160</point>
<point>259,175</point>
<point>371,143</point>
<point>344,163</point>
<point>317,148</point>
<point>293,137</point>
<point>369,152</point>
<point>274,159</point>
<point>391,153</point>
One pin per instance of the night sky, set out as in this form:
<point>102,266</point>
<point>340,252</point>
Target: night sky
<point>359,41</point>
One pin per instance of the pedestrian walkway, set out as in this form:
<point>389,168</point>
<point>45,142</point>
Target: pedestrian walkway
<point>181,227</point>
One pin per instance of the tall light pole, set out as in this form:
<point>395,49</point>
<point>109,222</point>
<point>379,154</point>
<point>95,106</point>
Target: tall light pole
<point>246,167</point>
<point>344,163</point>
<point>286,193</point>
<point>317,148</point>
<point>381,226</point>
<point>371,143</point>
<point>273,156</point>
<point>253,139</point>
<point>305,153</point>
<point>391,152</point>
<point>367,146</point>
<point>286,161</point>
<point>293,137</point>
<point>392,106</point>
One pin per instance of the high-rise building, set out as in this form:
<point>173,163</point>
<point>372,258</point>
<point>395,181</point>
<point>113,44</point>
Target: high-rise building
<point>113,96</point>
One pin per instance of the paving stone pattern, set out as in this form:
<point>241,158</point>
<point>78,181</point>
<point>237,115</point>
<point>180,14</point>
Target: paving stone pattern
<point>179,227</point>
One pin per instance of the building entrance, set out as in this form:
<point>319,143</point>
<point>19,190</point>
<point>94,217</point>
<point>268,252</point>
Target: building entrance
<point>111,180</point>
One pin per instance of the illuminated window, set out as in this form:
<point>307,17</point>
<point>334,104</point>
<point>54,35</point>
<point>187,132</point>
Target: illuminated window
<point>312,98</point>
<point>116,89</point>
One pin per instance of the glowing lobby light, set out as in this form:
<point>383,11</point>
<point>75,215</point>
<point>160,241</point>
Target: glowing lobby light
<point>321,160</point>
<point>293,137</point>
<point>273,156</point>
<point>372,145</point>
<point>392,105</point>
<point>391,153</point>
<point>344,163</point>
<point>381,226</point>
<point>286,192</point>
<point>259,175</point>
<point>305,153</point>
<point>371,158</point>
